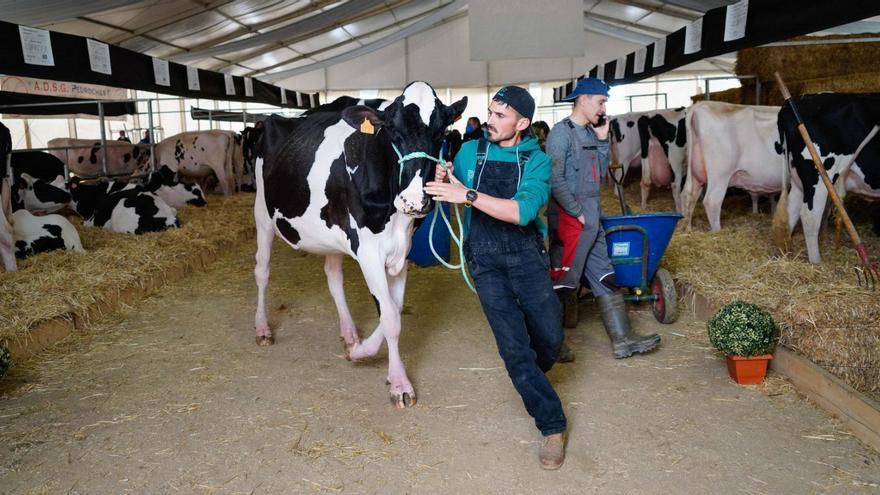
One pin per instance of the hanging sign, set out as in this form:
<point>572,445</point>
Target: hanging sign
<point>99,56</point>
<point>161,72</point>
<point>36,46</point>
<point>693,35</point>
<point>659,53</point>
<point>735,20</point>
<point>192,78</point>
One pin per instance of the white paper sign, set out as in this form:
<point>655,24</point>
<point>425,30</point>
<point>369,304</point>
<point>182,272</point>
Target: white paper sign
<point>735,20</point>
<point>283,96</point>
<point>600,71</point>
<point>248,86</point>
<point>161,72</point>
<point>659,53</point>
<point>230,84</point>
<point>36,46</point>
<point>192,78</point>
<point>620,68</point>
<point>693,35</point>
<point>99,56</point>
<point>641,55</point>
<point>619,249</point>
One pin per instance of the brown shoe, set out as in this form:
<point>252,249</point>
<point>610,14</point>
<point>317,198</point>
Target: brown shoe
<point>552,453</point>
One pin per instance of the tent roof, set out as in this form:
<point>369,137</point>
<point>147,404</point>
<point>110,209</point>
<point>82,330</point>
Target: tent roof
<point>259,38</point>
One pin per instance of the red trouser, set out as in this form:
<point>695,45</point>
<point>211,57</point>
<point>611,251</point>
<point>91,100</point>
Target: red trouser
<point>568,233</point>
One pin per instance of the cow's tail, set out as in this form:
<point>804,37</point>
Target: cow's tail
<point>780,229</point>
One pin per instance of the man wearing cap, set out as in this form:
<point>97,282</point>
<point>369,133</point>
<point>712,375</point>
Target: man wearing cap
<point>578,146</point>
<point>503,181</point>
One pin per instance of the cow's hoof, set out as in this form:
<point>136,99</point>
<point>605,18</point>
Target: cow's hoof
<point>404,400</point>
<point>349,348</point>
<point>265,340</point>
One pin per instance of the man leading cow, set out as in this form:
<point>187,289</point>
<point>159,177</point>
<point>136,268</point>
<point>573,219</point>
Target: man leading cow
<point>504,179</point>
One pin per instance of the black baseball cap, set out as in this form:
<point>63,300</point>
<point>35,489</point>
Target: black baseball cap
<point>519,99</point>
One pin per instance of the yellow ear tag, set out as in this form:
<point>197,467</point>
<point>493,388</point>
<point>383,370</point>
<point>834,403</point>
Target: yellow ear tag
<point>367,127</point>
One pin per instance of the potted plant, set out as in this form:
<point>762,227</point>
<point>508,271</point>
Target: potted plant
<point>747,334</point>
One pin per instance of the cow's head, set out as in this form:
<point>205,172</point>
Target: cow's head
<point>414,122</point>
<point>86,197</point>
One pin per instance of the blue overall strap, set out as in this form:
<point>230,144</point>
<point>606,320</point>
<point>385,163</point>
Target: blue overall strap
<point>482,150</point>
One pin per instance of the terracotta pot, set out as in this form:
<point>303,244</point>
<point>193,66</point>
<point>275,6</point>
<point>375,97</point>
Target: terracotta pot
<point>748,370</point>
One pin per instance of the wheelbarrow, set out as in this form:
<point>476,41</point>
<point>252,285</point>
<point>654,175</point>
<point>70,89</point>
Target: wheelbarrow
<point>636,243</point>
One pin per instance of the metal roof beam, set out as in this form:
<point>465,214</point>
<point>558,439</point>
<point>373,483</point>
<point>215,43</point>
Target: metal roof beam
<point>671,11</point>
<point>286,43</point>
<point>308,25</point>
<point>337,45</point>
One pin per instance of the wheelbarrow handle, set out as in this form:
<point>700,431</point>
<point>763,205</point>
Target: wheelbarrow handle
<point>817,161</point>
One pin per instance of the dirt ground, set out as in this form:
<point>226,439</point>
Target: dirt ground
<point>171,395</point>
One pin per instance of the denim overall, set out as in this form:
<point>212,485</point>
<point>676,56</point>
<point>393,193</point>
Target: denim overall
<point>510,269</point>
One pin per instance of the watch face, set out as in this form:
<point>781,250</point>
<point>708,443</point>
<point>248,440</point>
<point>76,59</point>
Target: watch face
<point>471,195</point>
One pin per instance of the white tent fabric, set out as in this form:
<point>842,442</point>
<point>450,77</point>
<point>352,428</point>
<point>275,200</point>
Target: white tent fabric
<point>326,45</point>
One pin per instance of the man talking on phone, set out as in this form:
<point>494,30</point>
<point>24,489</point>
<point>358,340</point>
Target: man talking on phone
<point>579,148</point>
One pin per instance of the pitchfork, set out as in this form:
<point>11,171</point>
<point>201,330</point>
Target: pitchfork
<point>866,274</point>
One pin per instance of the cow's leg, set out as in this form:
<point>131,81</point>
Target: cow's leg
<point>402,393</point>
<point>692,188</point>
<point>715,193</point>
<point>222,178</point>
<point>755,197</point>
<point>265,235</point>
<point>347,329</point>
<point>772,199</point>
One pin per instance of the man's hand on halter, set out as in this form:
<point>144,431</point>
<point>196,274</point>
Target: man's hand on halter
<point>440,173</point>
<point>450,192</point>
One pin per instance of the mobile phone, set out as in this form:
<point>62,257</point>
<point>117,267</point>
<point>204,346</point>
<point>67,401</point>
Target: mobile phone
<point>602,119</point>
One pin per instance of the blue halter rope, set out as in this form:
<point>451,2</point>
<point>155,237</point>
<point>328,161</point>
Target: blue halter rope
<point>401,159</point>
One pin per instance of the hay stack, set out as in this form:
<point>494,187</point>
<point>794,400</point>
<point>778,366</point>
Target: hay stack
<point>807,69</point>
<point>59,284</point>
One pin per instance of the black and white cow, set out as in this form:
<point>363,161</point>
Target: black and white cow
<point>838,123</point>
<point>330,184</point>
<point>250,136</point>
<point>7,244</point>
<point>120,207</point>
<point>164,183</point>
<point>657,140</point>
<point>38,234</point>
<point>40,185</point>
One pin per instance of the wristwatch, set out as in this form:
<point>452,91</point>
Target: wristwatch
<point>470,196</point>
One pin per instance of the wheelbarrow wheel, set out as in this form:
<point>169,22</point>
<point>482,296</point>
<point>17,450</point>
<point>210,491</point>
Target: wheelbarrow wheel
<point>570,314</point>
<point>665,307</point>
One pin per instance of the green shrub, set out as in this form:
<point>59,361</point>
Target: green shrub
<point>5,360</point>
<point>743,329</point>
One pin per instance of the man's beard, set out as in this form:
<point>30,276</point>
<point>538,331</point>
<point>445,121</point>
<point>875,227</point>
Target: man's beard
<point>497,138</point>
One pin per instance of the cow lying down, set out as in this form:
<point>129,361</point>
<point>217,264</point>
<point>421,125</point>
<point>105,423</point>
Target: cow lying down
<point>120,207</point>
<point>33,234</point>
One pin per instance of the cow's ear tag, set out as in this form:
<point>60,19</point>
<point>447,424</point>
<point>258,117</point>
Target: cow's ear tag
<point>367,127</point>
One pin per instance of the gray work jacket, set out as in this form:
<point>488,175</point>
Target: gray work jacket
<point>580,162</point>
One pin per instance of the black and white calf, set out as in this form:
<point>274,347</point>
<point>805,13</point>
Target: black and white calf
<point>40,185</point>
<point>838,124</point>
<point>123,208</point>
<point>164,184</point>
<point>38,234</point>
<point>332,184</point>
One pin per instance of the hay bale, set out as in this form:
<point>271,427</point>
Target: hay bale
<point>803,62</point>
<point>60,284</point>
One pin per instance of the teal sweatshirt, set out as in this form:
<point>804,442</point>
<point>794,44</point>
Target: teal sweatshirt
<point>534,187</point>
